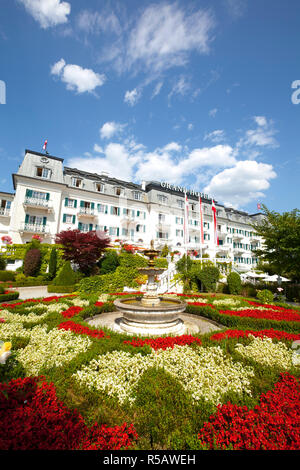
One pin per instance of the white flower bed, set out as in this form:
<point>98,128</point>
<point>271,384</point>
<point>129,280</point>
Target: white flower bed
<point>227,302</point>
<point>204,372</point>
<point>9,331</point>
<point>265,352</point>
<point>50,349</point>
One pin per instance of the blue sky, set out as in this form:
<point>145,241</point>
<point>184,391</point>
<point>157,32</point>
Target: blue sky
<point>196,93</point>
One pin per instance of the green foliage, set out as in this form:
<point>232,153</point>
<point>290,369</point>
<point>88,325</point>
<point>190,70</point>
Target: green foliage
<point>66,276</point>
<point>111,282</point>
<point>281,235</point>
<point>128,260</point>
<point>7,276</point>
<point>265,296</point>
<point>32,262</point>
<point>165,413</point>
<point>1,289</point>
<point>234,283</point>
<point>53,263</point>
<point>209,277</point>
<point>184,264</point>
<point>165,251</point>
<point>109,262</point>
<point>7,297</point>
<point>3,263</point>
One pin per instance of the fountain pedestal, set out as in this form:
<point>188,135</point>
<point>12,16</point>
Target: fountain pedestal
<point>151,315</point>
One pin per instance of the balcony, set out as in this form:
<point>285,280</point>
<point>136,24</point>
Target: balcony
<point>35,228</point>
<point>86,212</point>
<point>237,236</point>
<point>223,248</point>
<point>4,212</point>
<point>38,203</point>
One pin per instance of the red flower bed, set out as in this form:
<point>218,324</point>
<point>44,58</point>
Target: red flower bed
<point>269,314</point>
<point>45,299</point>
<point>82,330</point>
<point>71,311</point>
<point>274,334</point>
<point>201,304</point>
<point>273,307</point>
<point>274,424</point>
<point>164,343</point>
<point>99,304</point>
<point>33,418</point>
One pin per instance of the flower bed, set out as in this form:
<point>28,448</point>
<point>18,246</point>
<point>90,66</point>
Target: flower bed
<point>164,342</point>
<point>82,330</point>
<point>274,424</point>
<point>271,333</point>
<point>33,418</point>
<point>268,314</point>
<point>71,311</point>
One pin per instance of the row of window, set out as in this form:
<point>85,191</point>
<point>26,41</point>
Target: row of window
<point>112,231</point>
<point>245,260</point>
<point>239,231</point>
<point>89,207</point>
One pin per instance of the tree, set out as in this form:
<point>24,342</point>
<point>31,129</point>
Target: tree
<point>234,283</point>
<point>281,242</point>
<point>109,262</point>
<point>53,263</point>
<point>65,276</point>
<point>83,249</point>
<point>32,262</point>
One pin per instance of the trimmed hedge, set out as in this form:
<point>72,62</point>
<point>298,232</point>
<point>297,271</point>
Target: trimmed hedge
<point>234,283</point>
<point>7,276</point>
<point>7,297</point>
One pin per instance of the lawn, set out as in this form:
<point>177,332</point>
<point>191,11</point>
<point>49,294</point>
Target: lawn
<point>68,385</point>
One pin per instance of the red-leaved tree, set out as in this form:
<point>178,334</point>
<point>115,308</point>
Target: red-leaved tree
<point>83,248</point>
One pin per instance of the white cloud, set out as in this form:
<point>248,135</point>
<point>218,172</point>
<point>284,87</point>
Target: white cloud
<point>180,87</point>
<point>77,78</point>
<point>242,183</point>
<point>48,12</point>
<point>236,8</point>
<point>94,22</point>
<point>98,149</point>
<point>109,129</point>
<point>190,126</point>
<point>215,136</point>
<point>157,89</point>
<point>213,112</point>
<point>163,36</point>
<point>172,146</point>
<point>260,120</point>
<point>132,97</point>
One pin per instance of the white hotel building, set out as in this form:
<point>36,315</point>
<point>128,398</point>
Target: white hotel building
<point>50,198</point>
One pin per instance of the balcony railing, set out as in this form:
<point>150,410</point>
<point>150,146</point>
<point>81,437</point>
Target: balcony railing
<point>4,212</point>
<point>39,203</point>
<point>35,228</point>
<point>86,212</point>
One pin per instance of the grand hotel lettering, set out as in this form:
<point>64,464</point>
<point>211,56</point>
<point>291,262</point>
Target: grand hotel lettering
<point>184,190</point>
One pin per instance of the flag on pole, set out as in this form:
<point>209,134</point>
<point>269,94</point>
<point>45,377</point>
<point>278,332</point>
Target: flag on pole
<point>258,206</point>
<point>214,210</point>
<point>186,220</point>
<point>45,145</point>
<point>201,221</point>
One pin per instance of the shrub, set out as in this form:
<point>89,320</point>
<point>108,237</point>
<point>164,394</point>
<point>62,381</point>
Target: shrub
<point>265,296</point>
<point>32,262</point>
<point>109,262</point>
<point>234,283</point>
<point>2,289</point>
<point>10,296</point>
<point>66,276</point>
<point>53,263</point>
<point>7,276</point>
<point>209,277</point>
<point>2,263</point>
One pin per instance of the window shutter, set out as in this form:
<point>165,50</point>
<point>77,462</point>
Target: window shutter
<point>133,213</point>
<point>98,207</point>
<point>66,202</point>
<point>73,219</point>
<point>111,210</point>
<point>144,215</point>
<point>47,196</point>
<point>118,210</point>
<point>26,218</point>
<point>93,205</point>
<point>75,203</point>
<point>137,213</point>
<point>44,220</point>
<point>64,218</point>
<point>124,210</point>
<point>91,227</point>
<point>81,203</point>
<point>144,228</point>
<point>106,209</point>
<point>118,231</point>
<point>79,225</point>
<point>105,228</point>
<point>28,192</point>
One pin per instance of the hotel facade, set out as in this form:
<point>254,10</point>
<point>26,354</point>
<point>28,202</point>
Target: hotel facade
<point>50,197</point>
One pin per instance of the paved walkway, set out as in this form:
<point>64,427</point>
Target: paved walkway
<point>33,292</point>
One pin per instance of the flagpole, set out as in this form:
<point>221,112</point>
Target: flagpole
<point>201,228</point>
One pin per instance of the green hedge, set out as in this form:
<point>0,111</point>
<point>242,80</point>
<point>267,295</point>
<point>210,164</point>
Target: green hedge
<point>7,276</point>
<point>7,297</point>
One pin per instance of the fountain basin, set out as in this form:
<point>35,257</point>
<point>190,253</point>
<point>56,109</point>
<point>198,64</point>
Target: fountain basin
<point>156,319</point>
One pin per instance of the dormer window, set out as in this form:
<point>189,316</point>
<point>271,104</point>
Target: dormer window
<point>76,182</point>
<point>42,172</point>
<point>100,187</point>
<point>119,191</point>
<point>137,195</point>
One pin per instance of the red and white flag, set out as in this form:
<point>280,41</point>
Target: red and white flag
<point>214,210</point>
<point>186,220</point>
<point>201,221</point>
<point>45,145</point>
<point>258,206</point>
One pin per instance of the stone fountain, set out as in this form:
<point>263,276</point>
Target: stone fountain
<point>150,314</point>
